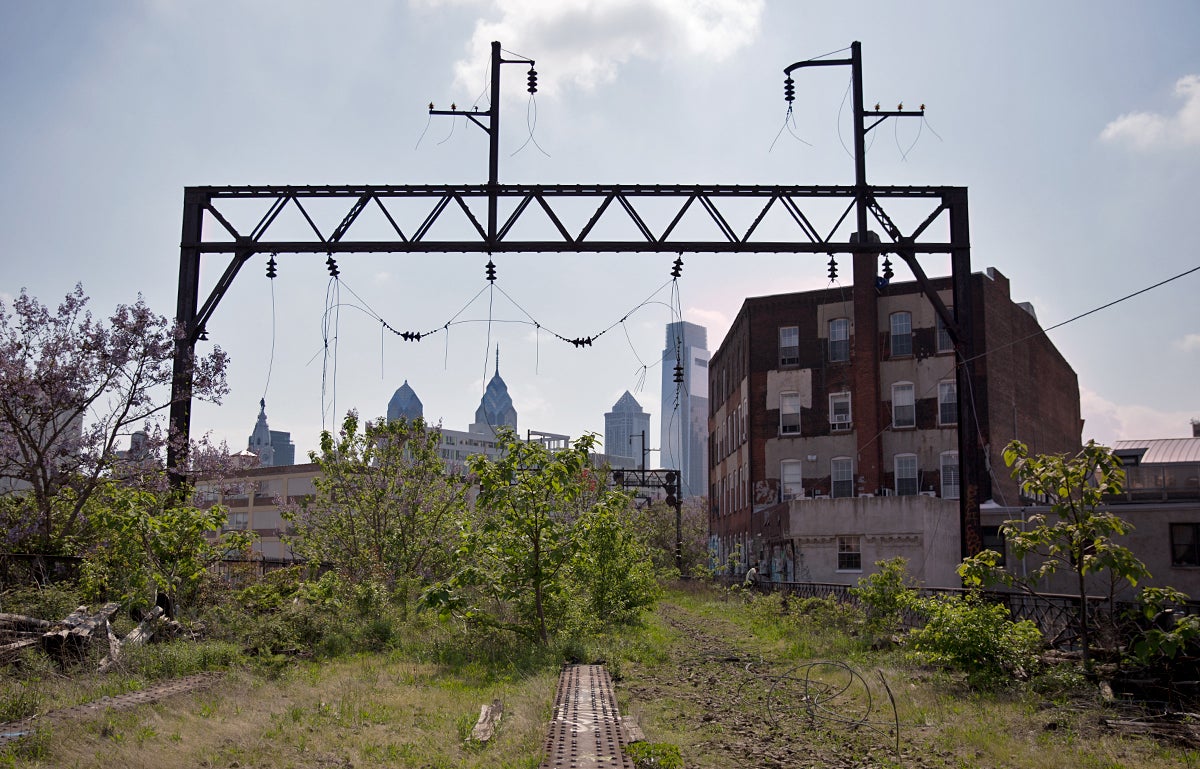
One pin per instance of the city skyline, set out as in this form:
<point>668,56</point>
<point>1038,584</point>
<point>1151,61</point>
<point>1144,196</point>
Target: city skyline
<point>1079,194</point>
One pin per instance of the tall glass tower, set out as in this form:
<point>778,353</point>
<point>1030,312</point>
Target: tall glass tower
<point>684,423</point>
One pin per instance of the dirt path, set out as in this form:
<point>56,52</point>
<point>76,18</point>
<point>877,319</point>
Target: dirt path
<point>736,708</point>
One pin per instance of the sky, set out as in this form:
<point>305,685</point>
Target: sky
<point>1074,125</point>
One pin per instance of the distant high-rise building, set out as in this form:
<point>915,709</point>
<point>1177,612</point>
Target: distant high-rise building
<point>405,404</point>
<point>624,426</point>
<point>684,422</point>
<point>496,407</point>
<point>285,450</point>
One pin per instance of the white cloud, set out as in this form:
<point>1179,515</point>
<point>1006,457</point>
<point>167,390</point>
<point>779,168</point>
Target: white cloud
<point>1149,130</point>
<point>584,43</point>
<point>1189,343</point>
<point>1107,422</point>
<point>714,321</point>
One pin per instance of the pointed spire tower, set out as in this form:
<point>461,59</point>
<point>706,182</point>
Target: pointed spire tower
<point>260,440</point>
<point>496,408</point>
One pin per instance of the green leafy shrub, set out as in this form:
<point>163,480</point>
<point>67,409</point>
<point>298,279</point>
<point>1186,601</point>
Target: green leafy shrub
<point>51,602</point>
<point>656,755</point>
<point>976,637</point>
<point>1165,635</point>
<point>885,595</point>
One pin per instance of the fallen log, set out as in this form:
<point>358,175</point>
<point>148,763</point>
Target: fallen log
<point>139,635</point>
<point>20,622</point>
<point>489,717</point>
<point>8,652</point>
<point>76,628</point>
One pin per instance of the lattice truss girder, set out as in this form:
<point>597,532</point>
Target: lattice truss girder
<point>577,218</point>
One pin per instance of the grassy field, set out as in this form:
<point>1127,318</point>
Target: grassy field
<point>732,681</point>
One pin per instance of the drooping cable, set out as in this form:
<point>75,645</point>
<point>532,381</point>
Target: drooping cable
<point>271,273</point>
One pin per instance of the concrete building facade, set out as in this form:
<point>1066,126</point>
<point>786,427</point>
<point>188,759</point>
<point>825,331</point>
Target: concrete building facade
<point>831,410</point>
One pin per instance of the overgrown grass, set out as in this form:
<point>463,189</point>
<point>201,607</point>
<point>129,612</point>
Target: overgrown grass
<point>381,691</point>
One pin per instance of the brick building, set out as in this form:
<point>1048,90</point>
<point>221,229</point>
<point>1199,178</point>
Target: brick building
<point>830,449</point>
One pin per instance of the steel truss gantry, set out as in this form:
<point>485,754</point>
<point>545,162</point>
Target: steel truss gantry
<point>488,216</point>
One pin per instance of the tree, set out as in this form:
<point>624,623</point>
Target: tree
<point>385,505</point>
<point>612,569</point>
<point>71,387</point>
<point>155,542</point>
<point>1077,536</point>
<point>516,551</point>
<point>655,523</point>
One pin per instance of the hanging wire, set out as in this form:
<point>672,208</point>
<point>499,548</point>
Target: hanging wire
<point>271,359</point>
<point>917,138</point>
<point>453,122</point>
<point>842,109</point>
<point>530,123</point>
<point>426,128</point>
<point>935,133</point>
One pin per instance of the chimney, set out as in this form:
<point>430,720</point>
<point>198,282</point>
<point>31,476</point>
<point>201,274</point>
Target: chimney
<point>1196,428</point>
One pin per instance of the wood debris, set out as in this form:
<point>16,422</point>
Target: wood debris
<point>489,719</point>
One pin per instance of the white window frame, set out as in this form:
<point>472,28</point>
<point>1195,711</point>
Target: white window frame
<point>849,554</point>
<point>947,397</point>
<point>911,396</point>
<point>841,470</point>
<point>951,479</point>
<point>900,325</point>
<point>237,521</point>
<point>841,421</point>
<point>909,461</point>
<point>944,342</point>
<point>839,340</point>
<point>791,485</point>
<point>788,426</point>
<point>789,354</point>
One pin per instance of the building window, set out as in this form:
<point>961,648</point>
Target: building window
<point>947,403</point>
<point>904,408</point>
<point>901,334</point>
<point>789,413</point>
<point>789,345</point>
<point>839,340</point>
<point>238,521</point>
<point>849,554</point>
<point>944,342</point>
<point>791,485</point>
<point>841,473</point>
<point>906,475</point>
<point>1185,544</point>
<point>839,411</point>
<point>950,475</point>
<point>993,539</point>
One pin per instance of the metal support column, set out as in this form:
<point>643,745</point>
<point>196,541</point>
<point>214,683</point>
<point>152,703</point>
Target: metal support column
<point>179,431</point>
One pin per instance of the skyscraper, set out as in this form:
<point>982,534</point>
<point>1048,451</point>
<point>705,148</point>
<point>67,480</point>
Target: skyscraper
<point>496,407</point>
<point>684,421</point>
<point>627,424</point>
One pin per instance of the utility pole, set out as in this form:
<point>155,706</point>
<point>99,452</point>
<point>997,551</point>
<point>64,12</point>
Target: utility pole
<point>865,245</point>
<point>492,115</point>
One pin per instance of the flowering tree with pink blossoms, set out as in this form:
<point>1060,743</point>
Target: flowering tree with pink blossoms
<point>73,390</point>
